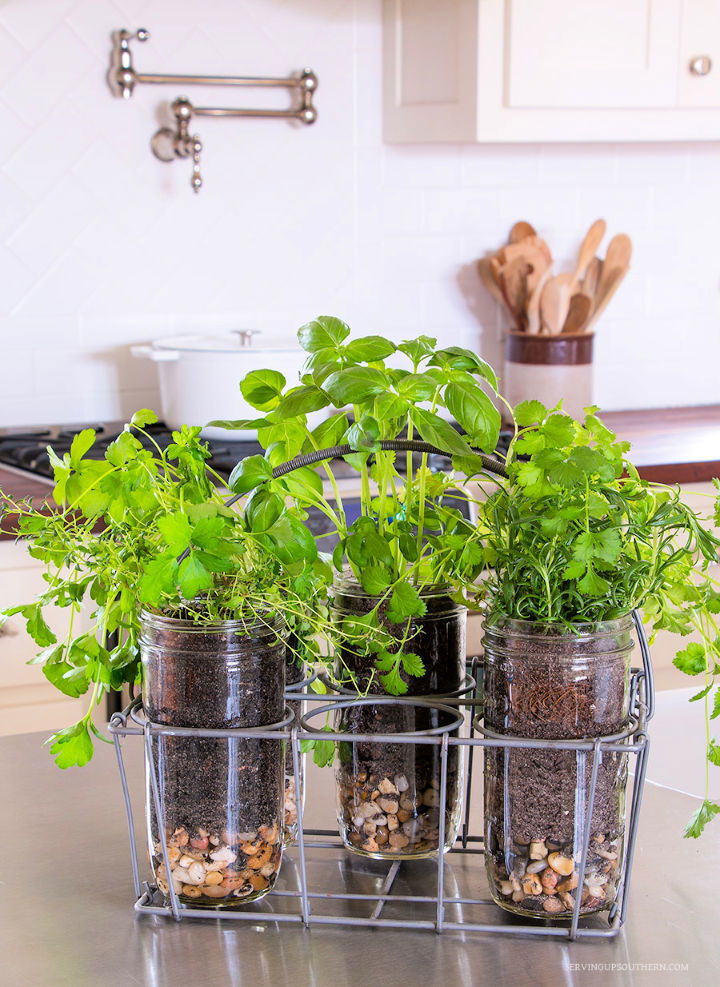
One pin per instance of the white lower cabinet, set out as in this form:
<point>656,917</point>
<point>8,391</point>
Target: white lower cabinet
<point>27,700</point>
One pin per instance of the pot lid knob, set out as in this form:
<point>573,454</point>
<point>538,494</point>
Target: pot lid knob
<point>245,336</point>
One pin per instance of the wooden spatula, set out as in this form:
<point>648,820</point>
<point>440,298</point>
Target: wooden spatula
<point>588,249</point>
<point>532,312</point>
<point>514,277</point>
<point>619,253</point>
<point>521,231</point>
<point>607,289</point>
<point>592,277</point>
<point>578,313</point>
<point>554,303</point>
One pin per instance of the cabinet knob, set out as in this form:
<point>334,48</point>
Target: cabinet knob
<point>701,65</point>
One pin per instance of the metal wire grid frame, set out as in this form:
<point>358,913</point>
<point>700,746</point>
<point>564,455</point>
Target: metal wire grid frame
<point>308,902</point>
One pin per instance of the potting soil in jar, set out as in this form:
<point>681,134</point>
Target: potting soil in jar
<point>221,799</point>
<point>554,685</point>
<point>389,794</point>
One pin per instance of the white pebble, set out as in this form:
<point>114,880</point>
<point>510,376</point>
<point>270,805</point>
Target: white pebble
<point>401,783</point>
<point>224,853</point>
<point>196,873</point>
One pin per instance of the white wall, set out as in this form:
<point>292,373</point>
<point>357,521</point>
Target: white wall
<point>101,245</point>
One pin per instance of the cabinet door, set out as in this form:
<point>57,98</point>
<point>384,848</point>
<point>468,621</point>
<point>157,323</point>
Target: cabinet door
<point>27,700</point>
<point>700,54</point>
<point>594,54</point>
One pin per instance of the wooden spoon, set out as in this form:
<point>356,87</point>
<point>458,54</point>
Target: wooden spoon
<point>554,303</point>
<point>533,306</point>
<point>618,254</point>
<point>578,313</point>
<point>588,249</point>
<point>607,289</point>
<point>514,280</point>
<point>592,277</point>
<point>521,231</point>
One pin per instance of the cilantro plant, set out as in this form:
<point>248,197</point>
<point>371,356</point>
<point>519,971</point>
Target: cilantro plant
<point>146,528</point>
<point>409,535</point>
<point>575,535</point>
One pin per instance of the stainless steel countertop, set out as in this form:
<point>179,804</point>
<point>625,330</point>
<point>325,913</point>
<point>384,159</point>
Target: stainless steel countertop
<point>66,917</point>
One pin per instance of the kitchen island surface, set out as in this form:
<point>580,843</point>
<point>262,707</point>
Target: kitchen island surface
<point>66,917</point>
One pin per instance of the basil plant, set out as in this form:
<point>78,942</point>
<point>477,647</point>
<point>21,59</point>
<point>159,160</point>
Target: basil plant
<point>411,533</point>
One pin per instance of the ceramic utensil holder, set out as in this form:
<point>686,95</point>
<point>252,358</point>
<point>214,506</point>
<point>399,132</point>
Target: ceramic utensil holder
<point>549,369</point>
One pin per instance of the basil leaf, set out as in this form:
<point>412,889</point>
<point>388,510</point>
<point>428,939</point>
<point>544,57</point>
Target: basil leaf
<point>471,407</point>
<point>369,349</point>
<point>355,384</point>
<point>325,332</point>
<point>262,389</point>
<point>459,358</point>
<point>249,473</point>
<point>439,433</point>
<point>301,401</point>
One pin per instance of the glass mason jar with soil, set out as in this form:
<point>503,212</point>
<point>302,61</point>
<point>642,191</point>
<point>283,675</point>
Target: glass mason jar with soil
<point>388,794</point>
<point>554,682</point>
<point>221,799</point>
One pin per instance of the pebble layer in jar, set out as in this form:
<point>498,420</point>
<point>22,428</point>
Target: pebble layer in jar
<point>543,877</point>
<point>290,810</point>
<point>385,815</point>
<point>212,869</point>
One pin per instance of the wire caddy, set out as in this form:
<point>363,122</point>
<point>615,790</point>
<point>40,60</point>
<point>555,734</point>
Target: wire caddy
<point>387,897</point>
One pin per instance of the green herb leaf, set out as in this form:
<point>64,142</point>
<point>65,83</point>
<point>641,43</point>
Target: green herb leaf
<point>72,747</point>
<point>175,531</point>
<point>393,682</point>
<point>60,674</point>
<point>419,348</point>
<point>405,602</point>
<point>262,389</point>
<point>714,753</point>
<point>691,660</point>
<point>459,358</point>
<point>716,705</point>
<point>355,384</point>
<point>472,408</point>
<point>37,628</point>
<point>237,424</point>
<point>193,577</point>
<point>250,473</point>
<point>412,664</point>
<point>699,819</point>
<point>144,417</point>
<point>375,579</point>
<point>530,413</point>
<point>369,349</point>
<point>81,443</point>
<point>301,401</point>
<point>322,333</point>
<point>439,433</point>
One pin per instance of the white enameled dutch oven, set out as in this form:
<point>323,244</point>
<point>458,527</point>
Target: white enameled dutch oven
<point>200,376</point>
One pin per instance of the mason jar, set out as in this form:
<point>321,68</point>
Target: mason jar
<point>555,682</point>
<point>221,799</point>
<point>402,780</point>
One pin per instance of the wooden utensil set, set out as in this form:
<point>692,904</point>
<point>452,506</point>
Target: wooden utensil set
<point>520,277</point>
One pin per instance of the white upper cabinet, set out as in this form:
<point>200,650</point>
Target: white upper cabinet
<point>551,70</point>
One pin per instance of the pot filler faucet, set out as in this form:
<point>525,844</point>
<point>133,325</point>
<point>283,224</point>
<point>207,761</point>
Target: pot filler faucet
<point>170,143</point>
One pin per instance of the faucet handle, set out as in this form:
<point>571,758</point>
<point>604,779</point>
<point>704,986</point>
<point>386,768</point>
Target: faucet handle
<point>122,76</point>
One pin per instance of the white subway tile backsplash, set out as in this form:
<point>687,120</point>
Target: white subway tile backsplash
<point>102,246</point>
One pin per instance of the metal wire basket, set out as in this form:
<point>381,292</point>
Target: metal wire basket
<point>319,884</point>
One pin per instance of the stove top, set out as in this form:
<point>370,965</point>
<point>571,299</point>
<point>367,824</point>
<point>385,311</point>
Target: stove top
<point>26,449</point>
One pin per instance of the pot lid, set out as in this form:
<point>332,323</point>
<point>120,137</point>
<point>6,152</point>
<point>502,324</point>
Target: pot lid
<point>237,341</point>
